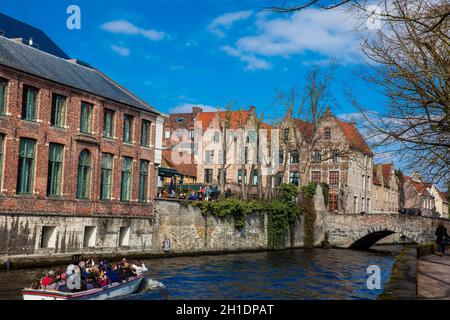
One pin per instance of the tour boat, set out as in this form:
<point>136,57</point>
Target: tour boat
<point>114,290</point>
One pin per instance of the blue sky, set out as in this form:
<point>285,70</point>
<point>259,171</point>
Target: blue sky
<point>205,52</point>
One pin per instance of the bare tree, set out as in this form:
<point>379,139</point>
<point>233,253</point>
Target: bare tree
<point>303,118</point>
<point>225,118</point>
<point>410,63</point>
<point>241,151</point>
<point>426,15</point>
<point>411,66</point>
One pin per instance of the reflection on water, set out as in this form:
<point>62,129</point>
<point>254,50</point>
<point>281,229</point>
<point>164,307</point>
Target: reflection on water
<point>295,274</point>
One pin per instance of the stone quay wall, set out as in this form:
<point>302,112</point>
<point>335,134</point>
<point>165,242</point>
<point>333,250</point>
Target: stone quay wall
<point>191,232</point>
<point>174,228</point>
<point>33,240</point>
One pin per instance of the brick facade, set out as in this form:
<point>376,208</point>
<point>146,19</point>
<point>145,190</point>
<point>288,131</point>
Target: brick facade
<point>348,174</point>
<point>14,128</point>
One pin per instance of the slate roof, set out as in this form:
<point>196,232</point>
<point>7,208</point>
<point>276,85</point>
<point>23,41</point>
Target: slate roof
<point>13,28</point>
<point>39,63</point>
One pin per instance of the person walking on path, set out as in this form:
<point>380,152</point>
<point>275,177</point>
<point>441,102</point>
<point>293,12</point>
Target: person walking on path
<point>442,238</point>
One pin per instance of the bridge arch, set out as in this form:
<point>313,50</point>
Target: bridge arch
<point>367,238</point>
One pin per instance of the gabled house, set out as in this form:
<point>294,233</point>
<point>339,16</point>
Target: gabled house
<point>440,201</point>
<point>385,192</point>
<point>418,195</point>
<point>337,155</point>
<point>198,134</point>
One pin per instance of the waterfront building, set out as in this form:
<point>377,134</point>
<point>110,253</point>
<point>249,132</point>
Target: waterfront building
<point>197,136</point>
<point>440,201</point>
<point>418,195</point>
<point>385,192</point>
<point>78,157</point>
<point>22,32</point>
<point>338,156</point>
<point>178,137</point>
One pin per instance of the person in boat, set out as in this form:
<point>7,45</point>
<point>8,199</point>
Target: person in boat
<point>102,279</point>
<point>74,277</point>
<point>37,282</point>
<point>61,284</point>
<point>111,275</point>
<point>47,280</point>
<point>55,278</point>
<point>83,275</point>
<point>138,268</point>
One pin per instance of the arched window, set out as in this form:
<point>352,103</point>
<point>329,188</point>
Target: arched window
<point>84,175</point>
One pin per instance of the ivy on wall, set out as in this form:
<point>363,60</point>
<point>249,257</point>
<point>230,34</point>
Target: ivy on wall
<point>309,211</point>
<point>235,208</point>
<point>280,213</point>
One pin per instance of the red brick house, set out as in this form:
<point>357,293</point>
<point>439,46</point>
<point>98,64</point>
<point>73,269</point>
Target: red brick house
<point>77,157</point>
<point>340,157</point>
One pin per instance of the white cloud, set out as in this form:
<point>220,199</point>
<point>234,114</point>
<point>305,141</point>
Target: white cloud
<point>330,34</point>
<point>253,63</point>
<point>226,20</point>
<point>187,108</point>
<point>122,51</point>
<point>127,28</point>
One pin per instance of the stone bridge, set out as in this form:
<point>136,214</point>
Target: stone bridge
<point>362,231</point>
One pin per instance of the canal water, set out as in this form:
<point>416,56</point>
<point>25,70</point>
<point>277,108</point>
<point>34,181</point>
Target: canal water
<point>293,274</point>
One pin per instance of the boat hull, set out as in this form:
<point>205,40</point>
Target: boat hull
<point>111,291</point>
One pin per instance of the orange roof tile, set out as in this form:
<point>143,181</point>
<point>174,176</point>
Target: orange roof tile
<point>354,137</point>
<point>304,127</point>
<point>183,168</point>
<point>208,117</point>
<point>418,185</point>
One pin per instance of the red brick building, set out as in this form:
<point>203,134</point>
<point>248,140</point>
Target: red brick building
<point>72,143</point>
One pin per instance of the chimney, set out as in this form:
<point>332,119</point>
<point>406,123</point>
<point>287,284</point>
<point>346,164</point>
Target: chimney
<point>379,172</point>
<point>196,111</point>
<point>30,42</point>
<point>416,177</point>
<point>18,40</point>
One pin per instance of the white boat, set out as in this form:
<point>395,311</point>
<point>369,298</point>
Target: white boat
<point>114,290</point>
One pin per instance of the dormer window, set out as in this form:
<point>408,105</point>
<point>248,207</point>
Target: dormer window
<point>180,120</point>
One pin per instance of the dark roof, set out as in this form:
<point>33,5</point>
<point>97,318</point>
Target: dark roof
<point>36,62</point>
<point>13,28</point>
